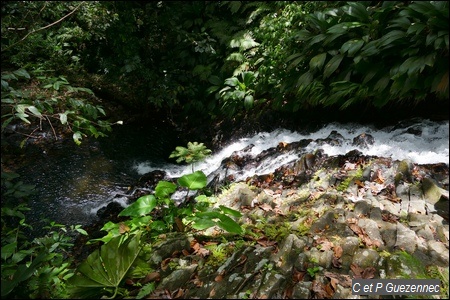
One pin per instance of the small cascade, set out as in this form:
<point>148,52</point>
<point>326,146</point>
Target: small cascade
<point>73,182</point>
<point>420,141</point>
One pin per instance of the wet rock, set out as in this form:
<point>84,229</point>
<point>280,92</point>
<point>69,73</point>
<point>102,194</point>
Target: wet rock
<point>437,196</point>
<point>110,211</point>
<point>305,163</point>
<point>151,179</point>
<point>404,170</point>
<point>334,139</point>
<point>364,140</point>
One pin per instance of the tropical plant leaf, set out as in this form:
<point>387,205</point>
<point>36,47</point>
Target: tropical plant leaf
<point>164,189</point>
<point>332,65</point>
<point>230,211</point>
<point>193,181</point>
<point>317,61</point>
<point>141,207</point>
<point>357,10</point>
<point>105,268</point>
<point>352,47</point>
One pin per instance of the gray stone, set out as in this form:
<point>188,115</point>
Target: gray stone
<point>365,258</point>
<point>404,265</point>
<point>362,208</point>
<point>388,233</point>
<point>321,258</point>
<point>432,192</point>
<point>406,238</point>
<point>425,232</point>
<point>439,251</point>
<point>288,252</point>
<point>177,278</point>
<point>302,290</point>
<point>270,286</point>
<point>162,250</point>
<point>418,220</point>
<point>371,228</point>
<point>349,246</point>
<point>375,214</point>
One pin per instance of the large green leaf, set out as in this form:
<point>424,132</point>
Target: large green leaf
<point>317,61</point>
<point>332,65</point>
<point>352,47</point>
<point>164,189</point>
<point>357,10</point>
<point>390,37</point>
<point>230,211</point>
<point>105,268</point>
<point>141,207</point>
<point>22,273</point>
<point>194,181</point>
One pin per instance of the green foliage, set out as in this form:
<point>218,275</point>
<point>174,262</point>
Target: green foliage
<point>53,101</point>
<point>193,181</point>
<point>36,269</point>
<point>312,271</point>
<point>193,153</point>
<point>199,216</point>
<point>238,94</point>
<point>104,269</point>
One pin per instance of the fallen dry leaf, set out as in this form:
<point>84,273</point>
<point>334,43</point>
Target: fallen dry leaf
<point>363,235</point>
<point>179,294</point>
<point>265,242</point>
<point>343,280</point>
<point>212,293</point>
<point>321,291</point>
<point>200,250</point>
<point>297,276</point>
<point>359,183</point>
<point>337,263</point>
<point>367,273</point>
<point>388,217</point>
<point>338,251</point>
<point>153,276</point>
<point>265,207</point>
<point>378,177</point>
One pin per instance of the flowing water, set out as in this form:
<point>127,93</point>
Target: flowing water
<point>74,182</point>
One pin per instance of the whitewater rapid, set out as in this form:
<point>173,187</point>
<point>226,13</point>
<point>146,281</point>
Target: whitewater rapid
<point>420,141</point>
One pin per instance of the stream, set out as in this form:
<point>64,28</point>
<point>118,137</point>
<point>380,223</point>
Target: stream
<point>73,182</point>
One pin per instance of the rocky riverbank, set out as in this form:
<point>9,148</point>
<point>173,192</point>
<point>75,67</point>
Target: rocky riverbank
<point>311,227</point>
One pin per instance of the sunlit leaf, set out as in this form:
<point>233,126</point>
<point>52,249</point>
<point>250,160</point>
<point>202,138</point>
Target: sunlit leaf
<point>194,181</point>
<point>141,207</point>
<point>164,189</point>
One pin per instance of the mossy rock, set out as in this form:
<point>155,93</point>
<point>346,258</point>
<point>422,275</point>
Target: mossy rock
<point>403,265</point>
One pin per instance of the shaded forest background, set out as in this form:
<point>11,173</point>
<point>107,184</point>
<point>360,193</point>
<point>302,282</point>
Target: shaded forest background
<point>78,68</point>
<point>206,61</point>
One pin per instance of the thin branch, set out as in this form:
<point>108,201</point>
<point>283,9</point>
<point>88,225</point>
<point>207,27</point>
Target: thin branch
<point>45,27</point>
<point>51,125</point>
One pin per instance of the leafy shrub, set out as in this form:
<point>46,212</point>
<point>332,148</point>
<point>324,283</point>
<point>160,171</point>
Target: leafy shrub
<point>54,100</point>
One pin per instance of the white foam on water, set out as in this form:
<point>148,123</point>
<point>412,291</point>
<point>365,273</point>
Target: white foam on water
<point>428,147</point>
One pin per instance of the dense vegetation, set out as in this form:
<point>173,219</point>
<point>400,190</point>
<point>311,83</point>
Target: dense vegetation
<point>66,64</point>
